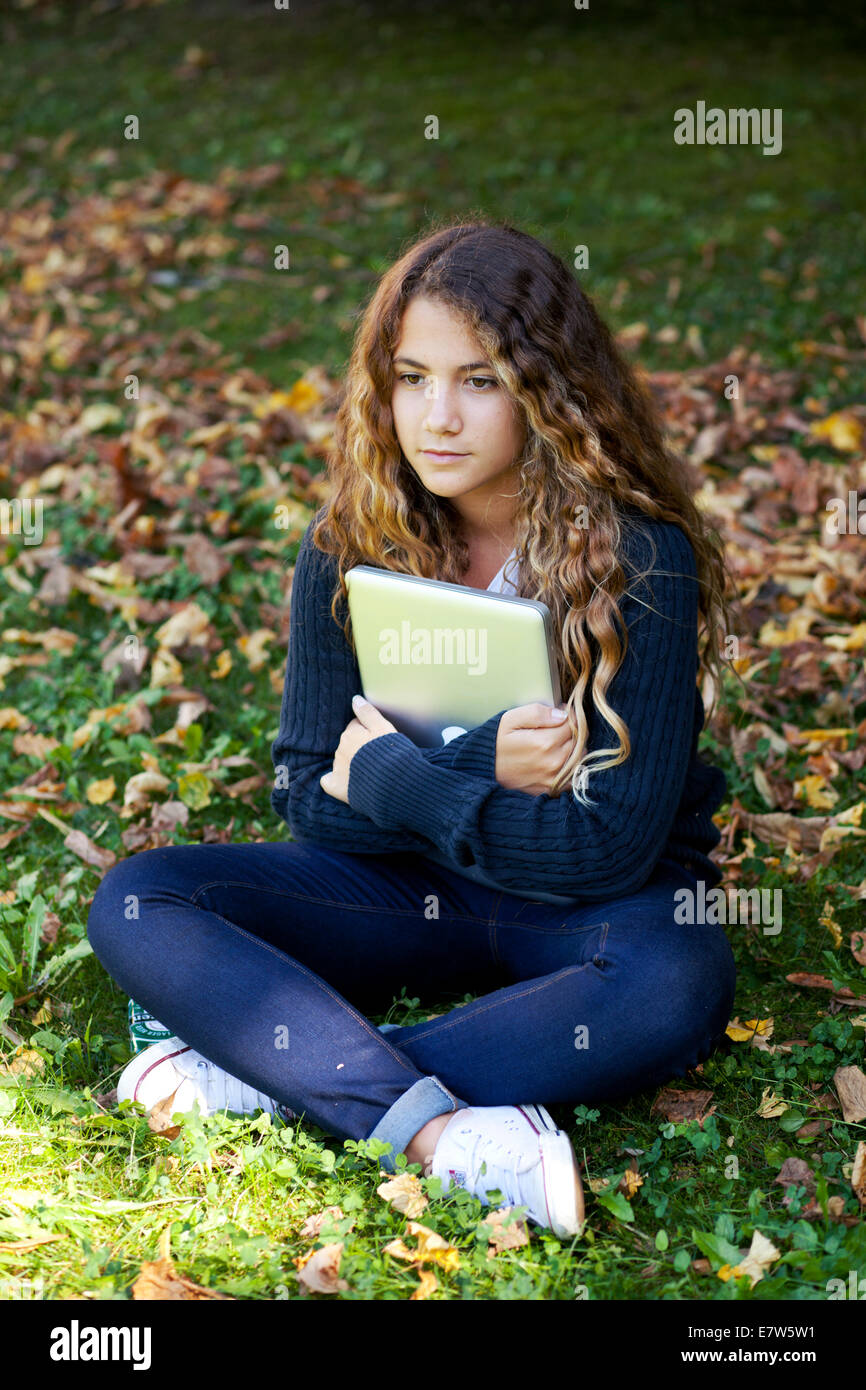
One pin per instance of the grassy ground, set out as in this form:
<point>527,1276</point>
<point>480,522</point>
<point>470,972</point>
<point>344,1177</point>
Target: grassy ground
<point>565,128</point>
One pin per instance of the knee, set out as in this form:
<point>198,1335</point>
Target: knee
<point>696,985</point>
<point>117,901</point>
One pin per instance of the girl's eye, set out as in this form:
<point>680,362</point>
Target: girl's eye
<point>413,377</point>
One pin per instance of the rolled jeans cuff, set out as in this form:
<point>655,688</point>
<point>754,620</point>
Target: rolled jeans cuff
<point>423,1101</point>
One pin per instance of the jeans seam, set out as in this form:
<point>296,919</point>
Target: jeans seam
<point>496,1003</point>
<point>564,930</point>
<point>321,983</point>
<point>321,902</point>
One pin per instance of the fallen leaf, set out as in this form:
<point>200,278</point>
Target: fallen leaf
<point>159,1280</point>
<point>505,1233</point>
<point>319,1271</point>
<point>755,1263</point>
<point>858,1173</point>
<point>404,1193</point>
<point>21,1247</point>
<point>748,1031</point>
<point>313,1224</point>
<point>681,1106</point>
<point>432,1248</point>
<point>84,847</point>
<point>24,1061</point>
<point>428,1283</point>
<point>850,1083</point>
<point>771,1105</point>
<point>159,1118</point>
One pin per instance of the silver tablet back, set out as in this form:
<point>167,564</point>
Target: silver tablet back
<point>439,658</point>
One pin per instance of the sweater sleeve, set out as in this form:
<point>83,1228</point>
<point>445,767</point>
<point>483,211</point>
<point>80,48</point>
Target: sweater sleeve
<point>322,675</point>
<point>550,844</point>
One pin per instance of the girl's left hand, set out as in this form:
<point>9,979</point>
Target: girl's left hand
<point>368,724</point>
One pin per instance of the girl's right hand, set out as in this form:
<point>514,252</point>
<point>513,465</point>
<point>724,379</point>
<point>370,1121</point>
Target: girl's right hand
<point>531,748</point>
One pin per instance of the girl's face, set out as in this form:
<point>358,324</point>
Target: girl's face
<point>446,398</point>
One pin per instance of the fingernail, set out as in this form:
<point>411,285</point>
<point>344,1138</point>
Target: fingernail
<point>558,714</point>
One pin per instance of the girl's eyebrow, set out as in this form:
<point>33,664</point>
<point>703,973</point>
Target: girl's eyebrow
<point>468,366</point>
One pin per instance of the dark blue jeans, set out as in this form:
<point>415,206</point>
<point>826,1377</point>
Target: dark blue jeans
<point>267,959</point>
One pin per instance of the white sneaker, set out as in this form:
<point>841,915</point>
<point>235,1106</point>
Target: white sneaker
<point>518,1149</point>
<point>172,1067</point>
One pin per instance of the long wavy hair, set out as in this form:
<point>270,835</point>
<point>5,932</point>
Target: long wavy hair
<point>594,438</point>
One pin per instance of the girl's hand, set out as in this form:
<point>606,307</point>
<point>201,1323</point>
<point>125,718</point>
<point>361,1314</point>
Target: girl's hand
<point>531,748</point>
<point>368,725</point>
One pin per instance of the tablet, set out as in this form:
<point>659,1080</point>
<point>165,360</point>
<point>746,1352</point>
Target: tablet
<point>438,658</point>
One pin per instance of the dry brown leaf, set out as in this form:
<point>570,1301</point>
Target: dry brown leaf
<point>159,1280</point>
<point>850,1083</point>
<point>404,1193</point>
<point>505,1233</point>
<point>771,1105</point>
<point>21,1247</point>
<point>313,1224</point>
<point>400,1250</point>
<point>681,1106</point>
<point>858,1173</point>
<point>319,1271</point>
<point>432,1248</point>
<point>84,847</point>
<point>428,1283</point>
<point>159,1118</point>
<point>858,946</point>
<point>761,1255</point>
<point>24,1061</point>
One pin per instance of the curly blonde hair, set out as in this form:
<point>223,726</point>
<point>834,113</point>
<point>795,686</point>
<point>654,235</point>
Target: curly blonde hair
<point>594,439</point>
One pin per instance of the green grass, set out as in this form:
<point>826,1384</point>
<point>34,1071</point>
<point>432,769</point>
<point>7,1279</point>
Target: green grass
<point>564,127</point>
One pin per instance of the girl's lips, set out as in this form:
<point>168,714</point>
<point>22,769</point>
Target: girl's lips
<point>443,458</point>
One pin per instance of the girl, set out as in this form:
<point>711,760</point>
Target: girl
<point>491,434</point>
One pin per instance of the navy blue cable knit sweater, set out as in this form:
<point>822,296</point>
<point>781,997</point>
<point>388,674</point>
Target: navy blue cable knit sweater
<point>446,804</point>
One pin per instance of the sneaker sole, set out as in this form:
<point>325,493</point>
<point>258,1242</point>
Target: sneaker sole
<point>563,1187</point>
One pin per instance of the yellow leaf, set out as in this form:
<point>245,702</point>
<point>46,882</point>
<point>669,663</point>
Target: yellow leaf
<point>744,1032</point>
<point>771,1105</point>
<point>851,641</point>
<point>844,431</point>
<point>428,1283</point>
<point>194,790</point>
<point>816,792</point>
<point>303,396</point>
<point>432,1248</point>
<point>254,647</point>
<point>797,628</point>
<point>761,1255</point>
<point>23,1062</point>
<point>11,718</point>
<point>99,792</point>
<point>828,920</point>
<point>222,666</point>
<point>97,416</point>
<point>165,669</point>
